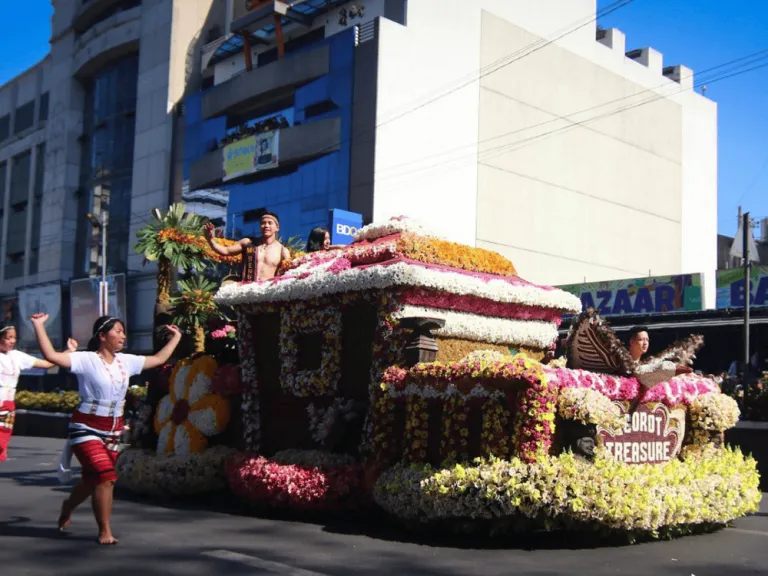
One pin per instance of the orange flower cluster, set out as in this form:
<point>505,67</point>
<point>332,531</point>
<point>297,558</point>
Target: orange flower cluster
<point>173,235</point>
<point>435,251</point>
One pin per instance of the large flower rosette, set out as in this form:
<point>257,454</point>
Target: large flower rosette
<point>191,413</point>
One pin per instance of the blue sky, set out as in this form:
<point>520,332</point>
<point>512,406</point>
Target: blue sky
<point>698,33</point>
<point>701,34</point>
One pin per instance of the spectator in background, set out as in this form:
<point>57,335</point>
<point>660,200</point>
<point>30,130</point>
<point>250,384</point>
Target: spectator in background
<point>320,239</point>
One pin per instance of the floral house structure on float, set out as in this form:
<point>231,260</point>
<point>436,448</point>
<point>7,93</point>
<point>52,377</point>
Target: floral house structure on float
<point>419,374</point>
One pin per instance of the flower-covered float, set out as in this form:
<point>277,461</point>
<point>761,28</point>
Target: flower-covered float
<point>418,374</point>
<point>190,423</point>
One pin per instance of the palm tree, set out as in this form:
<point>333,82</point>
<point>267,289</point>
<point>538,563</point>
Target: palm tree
<point>165,240</point>
<point>194,306</point>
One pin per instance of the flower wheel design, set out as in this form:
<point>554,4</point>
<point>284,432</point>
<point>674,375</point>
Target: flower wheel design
<point>191,412</point>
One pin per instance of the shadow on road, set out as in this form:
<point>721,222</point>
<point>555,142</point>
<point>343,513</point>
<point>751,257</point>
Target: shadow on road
<point>375,524</point>
<point>17,526</point>
<point>42,478</point>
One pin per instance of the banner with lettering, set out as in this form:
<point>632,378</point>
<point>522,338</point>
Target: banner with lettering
<point>640,295</point>
<point>251,154</point>
<point>730,287</point>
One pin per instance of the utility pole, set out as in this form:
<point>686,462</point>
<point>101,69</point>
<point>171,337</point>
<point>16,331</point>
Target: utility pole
<point>747,266</point>
<point>101,222</point>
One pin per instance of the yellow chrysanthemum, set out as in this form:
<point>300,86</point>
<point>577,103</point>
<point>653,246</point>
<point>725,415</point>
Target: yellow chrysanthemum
<point>191,412</point>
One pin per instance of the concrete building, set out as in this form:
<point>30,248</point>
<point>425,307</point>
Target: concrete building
<point>24,113</point>
<point>91,129</point>
<point>511,125</point>
<point>505,124</point>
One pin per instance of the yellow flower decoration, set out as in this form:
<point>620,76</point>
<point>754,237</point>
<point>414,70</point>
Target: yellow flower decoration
<point>191,412</point>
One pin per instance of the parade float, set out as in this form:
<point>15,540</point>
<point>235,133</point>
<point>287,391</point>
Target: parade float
<point>418,375</point>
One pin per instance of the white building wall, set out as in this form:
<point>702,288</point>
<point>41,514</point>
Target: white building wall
<point>562,200</point>
<point>643,180</point>
<point>699,230</point>
<point>415,62</point>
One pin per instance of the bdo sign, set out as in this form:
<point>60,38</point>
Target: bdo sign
<point>343,226</point>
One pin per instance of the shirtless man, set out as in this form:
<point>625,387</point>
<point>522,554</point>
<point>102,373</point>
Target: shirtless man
<point>261,256</point>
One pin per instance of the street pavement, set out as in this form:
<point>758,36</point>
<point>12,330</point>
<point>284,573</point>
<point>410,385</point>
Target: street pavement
<point>166,538</point>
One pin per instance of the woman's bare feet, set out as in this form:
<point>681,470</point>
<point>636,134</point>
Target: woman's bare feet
<point>65,518</point>
<point>107,539</point>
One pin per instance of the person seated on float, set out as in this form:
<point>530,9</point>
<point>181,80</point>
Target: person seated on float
<point>262,256</point>
<point>640,341</point>
<point>320,239</point>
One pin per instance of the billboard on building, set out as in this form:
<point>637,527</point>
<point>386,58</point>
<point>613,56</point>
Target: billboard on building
<point>84,304</point>
<point>640,295</point>
<point>46,299</point>
<point>730,287</point>
<point>251,154</point>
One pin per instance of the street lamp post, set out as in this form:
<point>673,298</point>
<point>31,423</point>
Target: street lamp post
<point>101,223</point>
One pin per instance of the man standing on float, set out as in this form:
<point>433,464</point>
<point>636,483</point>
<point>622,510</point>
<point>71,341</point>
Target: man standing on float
<point>261,256</point>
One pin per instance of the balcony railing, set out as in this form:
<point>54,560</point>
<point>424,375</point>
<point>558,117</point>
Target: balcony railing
<point>265,83</point>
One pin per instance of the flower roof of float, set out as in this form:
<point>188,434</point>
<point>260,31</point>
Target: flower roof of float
<point>401,253</point>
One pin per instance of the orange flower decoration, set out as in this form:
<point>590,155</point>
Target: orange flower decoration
<point>173,235</point>
<point>442,252</point>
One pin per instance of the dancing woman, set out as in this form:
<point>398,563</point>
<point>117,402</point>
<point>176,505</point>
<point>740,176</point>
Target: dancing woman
<point>12,362</point>
<point>97,424</point>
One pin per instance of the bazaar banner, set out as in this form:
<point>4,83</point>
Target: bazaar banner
<point>640,295</point>
<point>730,287</point>
<point>251,154</point>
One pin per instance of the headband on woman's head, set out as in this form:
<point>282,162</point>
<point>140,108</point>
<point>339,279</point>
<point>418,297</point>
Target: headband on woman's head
<point>4,328</point>
<point>103,324</point>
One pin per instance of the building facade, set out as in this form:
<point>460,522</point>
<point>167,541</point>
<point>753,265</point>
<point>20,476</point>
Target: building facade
<point>505,124</point>
<point>24,113</point>
<point>515,126</point>
<point>91,129</point>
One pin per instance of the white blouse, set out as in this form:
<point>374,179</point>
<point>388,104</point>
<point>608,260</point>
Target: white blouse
<point>11,365</point>
<point>98,380</point>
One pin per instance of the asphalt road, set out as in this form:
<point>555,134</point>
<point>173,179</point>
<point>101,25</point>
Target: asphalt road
<point>168,539</point>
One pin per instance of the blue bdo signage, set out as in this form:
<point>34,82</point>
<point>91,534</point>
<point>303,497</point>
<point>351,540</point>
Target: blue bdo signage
<point>344,225</point>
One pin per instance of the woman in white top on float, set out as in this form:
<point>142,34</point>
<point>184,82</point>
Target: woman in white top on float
<point>97,424</point>
<point>12,363</point>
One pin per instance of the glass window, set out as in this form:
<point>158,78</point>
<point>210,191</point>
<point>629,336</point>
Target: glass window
<point>37,210</point>
<point>3,172</point>
<point>25,117</point>
<point>5,127</point>
<point>43,107</point>
<point>14,265</point>
<point>20,178</point>
<point>109,125</point>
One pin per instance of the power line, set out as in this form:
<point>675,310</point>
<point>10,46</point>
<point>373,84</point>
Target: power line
<point>518,55</point>
<point>748,189</point>
<point>521,143</point>
<point>572,114</point>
